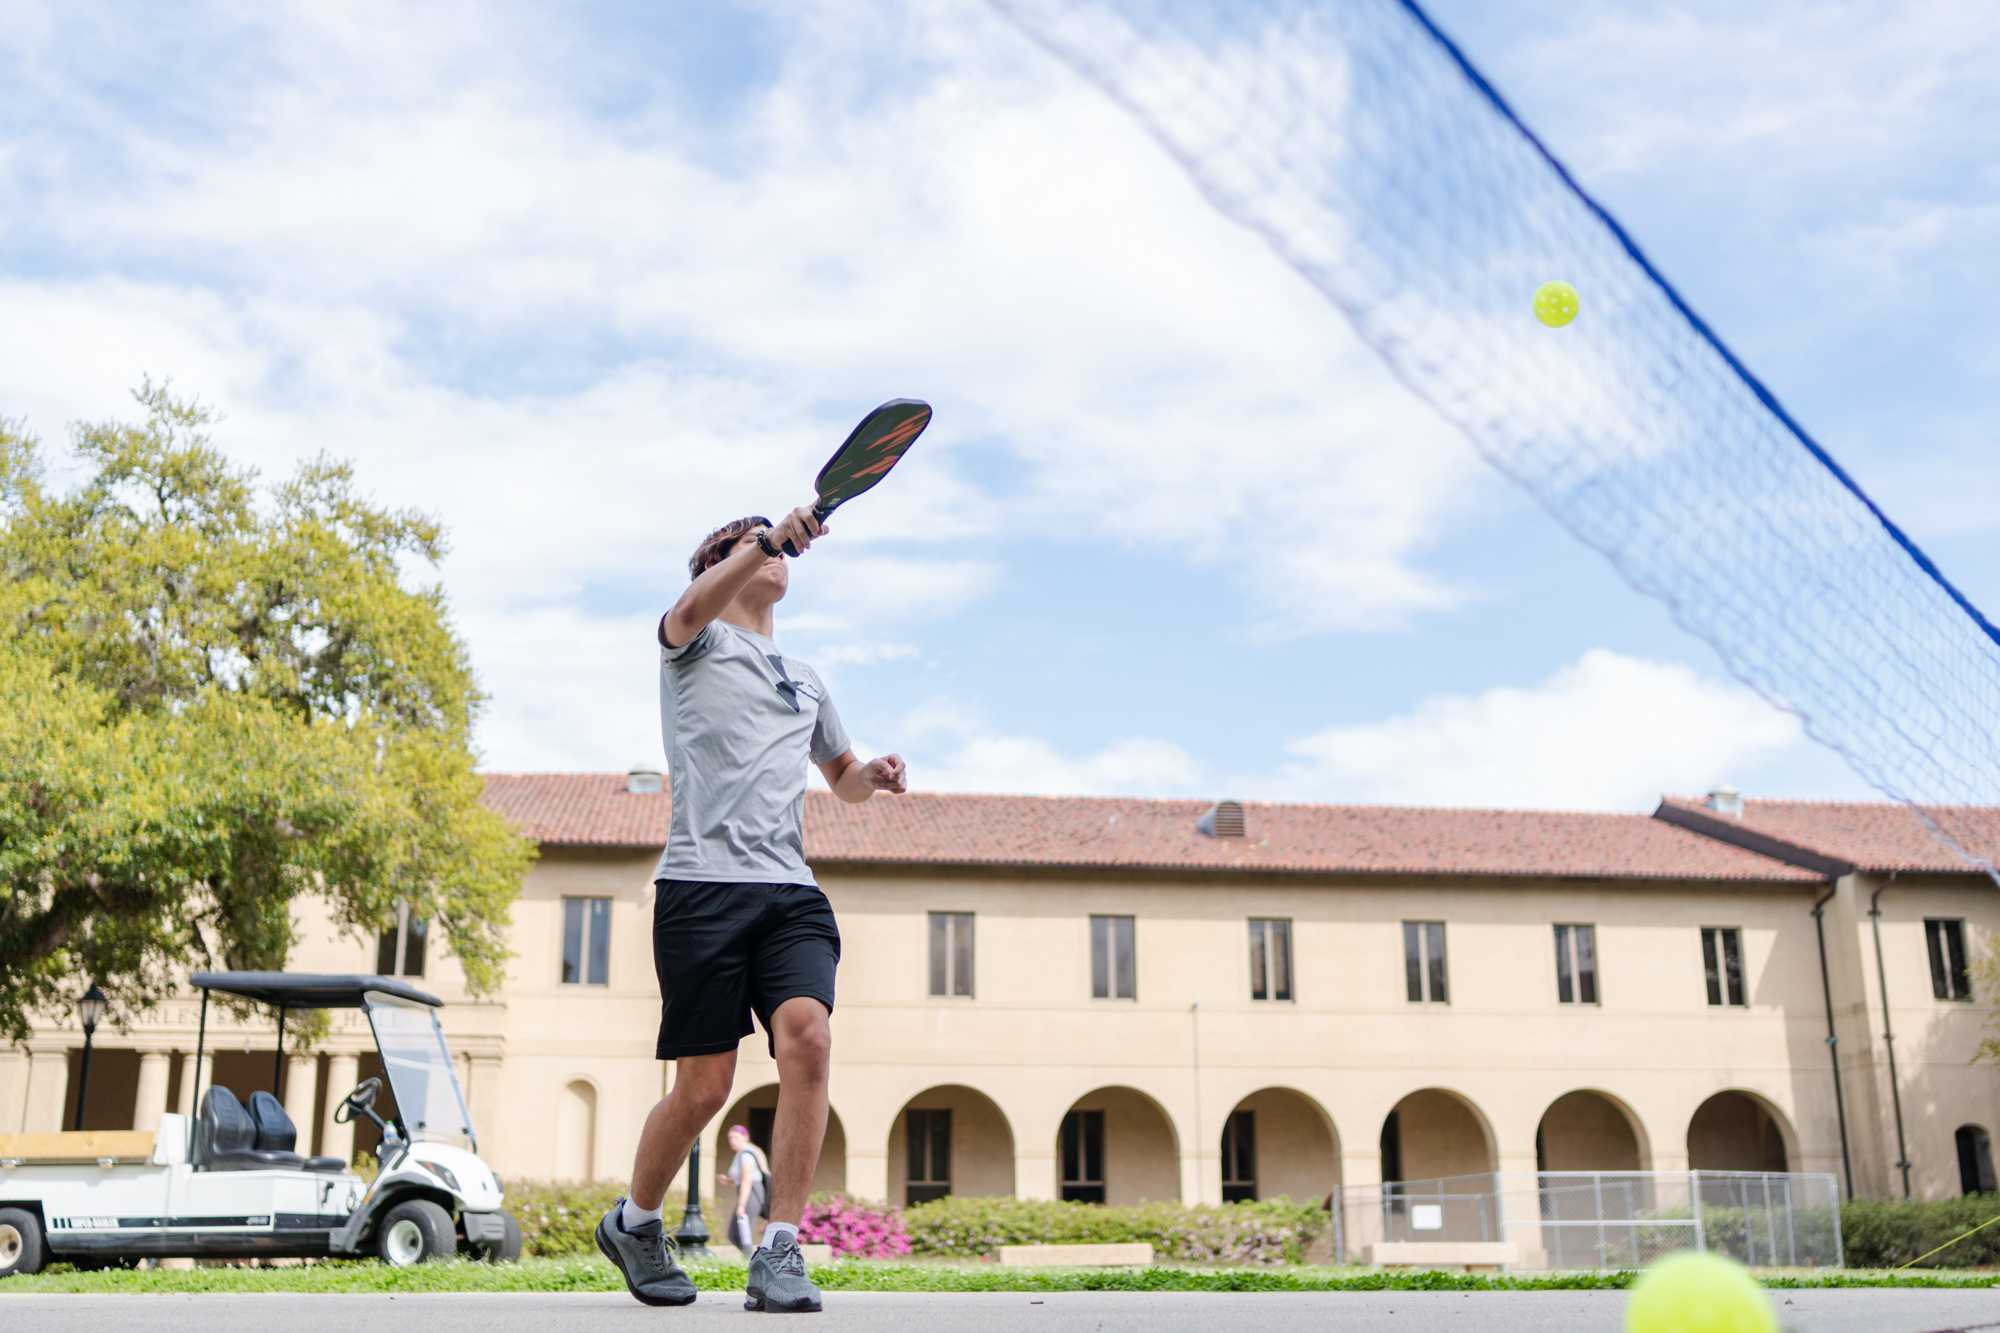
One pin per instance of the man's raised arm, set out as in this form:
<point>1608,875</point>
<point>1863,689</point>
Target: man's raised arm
<point>716,587</point>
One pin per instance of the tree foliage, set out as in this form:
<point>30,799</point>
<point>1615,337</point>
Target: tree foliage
<point>214,698</point>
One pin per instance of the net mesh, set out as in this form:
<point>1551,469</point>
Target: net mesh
<point>1361,146</point>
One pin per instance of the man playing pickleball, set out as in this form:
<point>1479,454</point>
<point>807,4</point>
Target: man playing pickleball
<point>739,925</point>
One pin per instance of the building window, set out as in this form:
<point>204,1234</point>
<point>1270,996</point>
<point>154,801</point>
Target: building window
<point>1113,968</point>
<point>1270,958</point>
<point>1975,1160</point>
<point>586,957</point>
<point>929,1138</point>
<point>1423,962</point>
<point>1576,964</point>
<point>399,952</point>
<point>1722,956</point>
<point>951,953</point>
<point>1239,1157</point>
<point>1949,980</point>
<point>1083,1157</point>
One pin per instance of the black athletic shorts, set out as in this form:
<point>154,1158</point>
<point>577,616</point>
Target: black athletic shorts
<point>726,951</point>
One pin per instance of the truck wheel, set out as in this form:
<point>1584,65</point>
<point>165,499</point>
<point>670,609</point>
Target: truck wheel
<point>415,1231</point>
<point>507,1249</point>
<point>20,1243</point>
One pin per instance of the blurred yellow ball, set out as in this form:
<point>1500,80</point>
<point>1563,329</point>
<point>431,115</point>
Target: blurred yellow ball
<point>1555,304</point>
<point>1698,1293</point>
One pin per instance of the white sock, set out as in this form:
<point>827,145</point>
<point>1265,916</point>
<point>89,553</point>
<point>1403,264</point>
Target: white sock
<point>773,1230</point>
<point>632,1215</point>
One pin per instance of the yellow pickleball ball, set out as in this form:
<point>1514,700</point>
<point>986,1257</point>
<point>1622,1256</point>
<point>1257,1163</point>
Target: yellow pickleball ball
<point>1555,304</point>
<point>1692,1292</point>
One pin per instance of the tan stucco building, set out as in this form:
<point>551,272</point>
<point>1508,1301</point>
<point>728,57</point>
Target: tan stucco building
<point>1089,998</point>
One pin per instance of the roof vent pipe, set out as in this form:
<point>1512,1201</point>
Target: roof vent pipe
<point>1726,801</point>
<point>641,780</point>
<point>1224,819</point>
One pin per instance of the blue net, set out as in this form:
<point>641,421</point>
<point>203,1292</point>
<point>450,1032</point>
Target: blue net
<point>1378,163</point>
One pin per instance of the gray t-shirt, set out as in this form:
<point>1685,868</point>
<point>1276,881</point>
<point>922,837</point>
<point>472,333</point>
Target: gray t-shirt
<point>739,722</point>
<point>747,1161</point>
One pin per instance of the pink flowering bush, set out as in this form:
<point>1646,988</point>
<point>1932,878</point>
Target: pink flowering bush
<point>852,1228</point>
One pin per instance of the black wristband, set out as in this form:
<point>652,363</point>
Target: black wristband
<point>764,544</point>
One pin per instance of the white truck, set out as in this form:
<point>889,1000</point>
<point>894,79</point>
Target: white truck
<point>230,1185</point>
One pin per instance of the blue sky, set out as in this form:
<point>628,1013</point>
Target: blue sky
<point>586,281</point>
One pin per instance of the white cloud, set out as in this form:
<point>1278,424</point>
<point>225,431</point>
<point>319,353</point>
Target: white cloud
<point>1796,89</point>
<point>952,748</point>
<point>862,654</point>
<point>1607,732</point>
<point>983,231</point>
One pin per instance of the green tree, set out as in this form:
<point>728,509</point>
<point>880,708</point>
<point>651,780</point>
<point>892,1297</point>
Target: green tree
<point>215,699</point>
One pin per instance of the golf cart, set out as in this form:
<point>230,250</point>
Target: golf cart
<point>230,1185</point>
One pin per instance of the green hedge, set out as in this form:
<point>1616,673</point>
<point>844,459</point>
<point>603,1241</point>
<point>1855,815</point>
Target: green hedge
<point>1270,1231</point>
<point>557,1218</point>
<point>1886,1235</point>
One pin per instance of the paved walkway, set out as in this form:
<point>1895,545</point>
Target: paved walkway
<point>1074,1312</point>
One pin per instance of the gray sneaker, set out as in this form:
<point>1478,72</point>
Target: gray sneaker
<point>645,1256</point>
<point>778,1280</point>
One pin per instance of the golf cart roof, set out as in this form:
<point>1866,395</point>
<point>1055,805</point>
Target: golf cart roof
<point>310,990</point>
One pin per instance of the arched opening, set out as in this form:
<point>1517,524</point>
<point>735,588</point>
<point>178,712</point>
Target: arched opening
<point>1279,1143</point>
<point>1590,1131</point>
<point>757,1111</point>
<point>1975,1160</point>
<point>1117,1145</point>
<point>576,1132</point>
<point>950,1140</point>
<point>1438,1162</point>
<point>1738,1131</point>
<point>1595,1133</point>
<point>1433,1134</point>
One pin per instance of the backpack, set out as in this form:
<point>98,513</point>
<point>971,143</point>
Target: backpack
<point>764,1208</point>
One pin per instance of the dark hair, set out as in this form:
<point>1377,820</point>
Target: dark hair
<point>717,545</point>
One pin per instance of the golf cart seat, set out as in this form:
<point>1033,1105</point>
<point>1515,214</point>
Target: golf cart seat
<point>226,1138</point>
<point>276,1133</point>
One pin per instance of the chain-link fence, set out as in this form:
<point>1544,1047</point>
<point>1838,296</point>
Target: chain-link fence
<point>1602,1219</point>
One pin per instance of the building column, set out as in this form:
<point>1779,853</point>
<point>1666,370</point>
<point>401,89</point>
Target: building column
<point>1520,1207</point>
<point>48,1090</point>
<point>149,1103</point>
<point>13,1089</point>
<point>190,1075</point>
<point>482,1101</point>
<point>1201,1176</point>
<point>1034,1171</point>
<point>1358,1204</point>
<point>301,1091</point>
<point>868,1172</point>
<point>342,1073</point>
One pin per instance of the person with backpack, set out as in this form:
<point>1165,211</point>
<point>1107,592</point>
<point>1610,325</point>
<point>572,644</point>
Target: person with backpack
<point>749,1175</point>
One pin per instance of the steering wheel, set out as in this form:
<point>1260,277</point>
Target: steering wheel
<point>362,1099</point>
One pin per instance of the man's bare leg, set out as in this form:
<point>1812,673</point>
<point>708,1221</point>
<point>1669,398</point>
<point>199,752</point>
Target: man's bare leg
<point>700,1090</point>
<point>804,1043</point>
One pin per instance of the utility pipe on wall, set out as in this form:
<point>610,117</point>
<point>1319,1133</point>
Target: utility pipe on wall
<point>1833,1038</point>
<point>1889,1032</point>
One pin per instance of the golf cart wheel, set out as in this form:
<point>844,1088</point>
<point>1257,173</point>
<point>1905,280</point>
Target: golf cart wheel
<point>507,1249</point>
<point>20,1243</point>
<point>415,1231</point>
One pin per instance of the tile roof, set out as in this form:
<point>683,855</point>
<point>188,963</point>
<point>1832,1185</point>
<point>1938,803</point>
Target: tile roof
<point>1875,836</point>
<point>594,810</point>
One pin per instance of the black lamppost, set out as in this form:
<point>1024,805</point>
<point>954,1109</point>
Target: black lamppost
<point>692,1236</point>
<point>91,1010</point>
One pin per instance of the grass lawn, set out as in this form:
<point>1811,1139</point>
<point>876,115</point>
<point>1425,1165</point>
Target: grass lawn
<point>593,1274</point>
